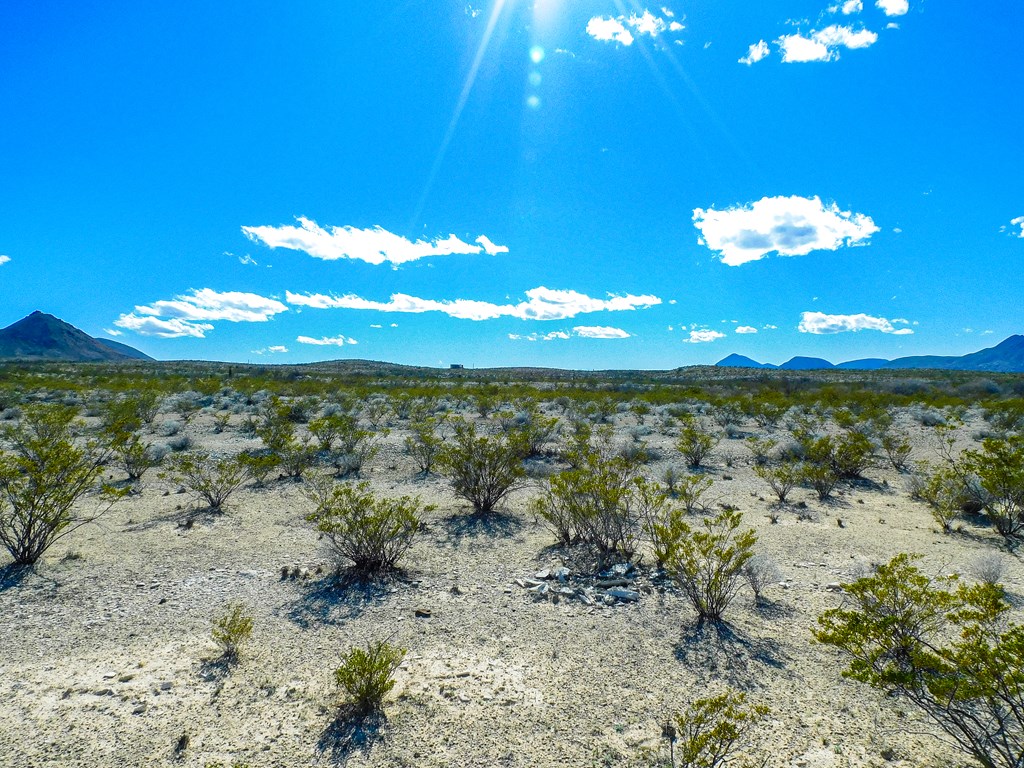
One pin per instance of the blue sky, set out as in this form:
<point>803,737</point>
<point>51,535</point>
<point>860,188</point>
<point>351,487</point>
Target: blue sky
<point>564,183</point>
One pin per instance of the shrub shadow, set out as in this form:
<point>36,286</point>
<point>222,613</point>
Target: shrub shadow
<point>350,732</point>
<point>771,609</point>
<point>460,528</point>
<point>720,651</point>
<point>341,597</point>
<point>12,574</point>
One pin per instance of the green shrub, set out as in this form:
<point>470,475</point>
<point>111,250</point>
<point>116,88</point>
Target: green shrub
<point>708,561</point>
<point>424,443</point>
<point>210,480</point>
<point>708,733</point>
<point>367,675</point>
<point>42,476</point>
<point>897,449</point>
<point>945,494</point>
<point>374,533</point>
<point>599,504</point>
<point>232,629</point>
<point>944,646</point>
<point>999,469</point>
<point>259,465</point>
<point>482,469</point>
<point>695,444</point>
<point>781,478</point>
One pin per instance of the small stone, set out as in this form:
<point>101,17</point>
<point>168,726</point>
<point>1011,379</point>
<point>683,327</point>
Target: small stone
<point>542,575</point>
<point>626,595</point>
<point>166,686</point>
<point>562,573</point>
<point>139,709</point>
<point>834,586</point>
<point>422,613</point>
<point>607,583</point>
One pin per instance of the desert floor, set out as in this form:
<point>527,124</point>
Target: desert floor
<point>107,658</point>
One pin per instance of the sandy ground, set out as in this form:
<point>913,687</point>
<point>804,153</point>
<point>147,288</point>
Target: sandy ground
<point>106,650</point>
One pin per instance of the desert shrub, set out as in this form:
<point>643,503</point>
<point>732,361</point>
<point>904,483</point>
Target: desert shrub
<point>121,419</point>
<point>210,480</point>
<point>600,504</point>
<point>761,572</point>
<point>852,454</point>
<point>424,443</point>
<point>367,675</point>
<point>348,446</point>
<point>999,469</point>
<point>944,646</point>
<point>330,426</point>
<point>727,414</point>
<point>692,491</point>
<point>897,449</point>
<point>671,479</point>
<point>482,469</point>
<point>988,568</point>
<point>707,561</point>
<point>695,444</point>
<point>944,491</point>
<point>374,533</point>
<point>170,427</point>
<point>232,629</point>
<point>42,475</point>
<point>179,443</point>
<point>781,478</point>
<point>259,465</point>
<point>221,422</point>
<point>710,731</point>
<point>761,449</point>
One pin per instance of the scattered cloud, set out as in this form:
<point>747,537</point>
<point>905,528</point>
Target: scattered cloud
<point>600,332</point>
<point>374,245</point>
<point>247,259</point>
<point>4,259</point>
<point>746,329</point>
<point>823,44</point>
<point>327,341</point>
<point>703,336</point>
<point>165,329</point>
<point>189,315</point>
<point>788,226</point>
<point>113,332</point>
<point>541,304</point>
<point>616,29</point>
<point>275,350</point>
<point>1017,222</point>
<point>820,323</point>
<point>582,331</point>
<point>755,53</point>
<point>848,8</point>
<point>893,7</point>
<point>771,327</point>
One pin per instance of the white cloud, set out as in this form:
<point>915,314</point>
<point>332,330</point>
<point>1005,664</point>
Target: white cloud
<point>617,29</point>
<point>541,304</point>
<point>247,259</point>
<point>789,226</point>
<point>207,304</point>
<point>325,341</point>
<point>607,29</point>
<point>771,327</point>
<point>275,350</point>
<point>755,53</point>
<point>374,245</point>
<point>189,315</point>
<point>746,329</point>
<point>848,8</point>
<point>113,332</point>
<point>820,323</point>
<point>490,248</point>
<point>4,259</point>
<point>600,332</point>
<point>1017,222</point>
<point>165,329</point>
<point>893,7</point>
<point>823,44</point>
<point>703,336</point>
<point>581,331</point>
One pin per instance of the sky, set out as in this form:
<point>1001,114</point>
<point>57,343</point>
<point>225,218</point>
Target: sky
<point>569,183</point>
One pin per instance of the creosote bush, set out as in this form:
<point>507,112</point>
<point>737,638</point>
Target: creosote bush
<point>999,469</point>
<point>708,560</point>
<point>211,480</point>
<point>944,646</point>
<point>710,731</point>
<point>367,675</point>
<point>695,444</point>
<point>372,532</point>
<point>483,469</point>
<point>232,629</point>
<point>42,476</point>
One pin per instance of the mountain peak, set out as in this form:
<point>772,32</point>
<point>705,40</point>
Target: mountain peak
<point>41,336</point>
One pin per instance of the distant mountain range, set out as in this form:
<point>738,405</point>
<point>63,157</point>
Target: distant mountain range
<point>44,337</point>
<point>1006,357</point>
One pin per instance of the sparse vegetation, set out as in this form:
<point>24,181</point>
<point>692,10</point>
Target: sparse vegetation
<point>483,469</point>
<point>367,675</point>
<point>211,480</point>
<point>710,731</point>
<point>232,630</point>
